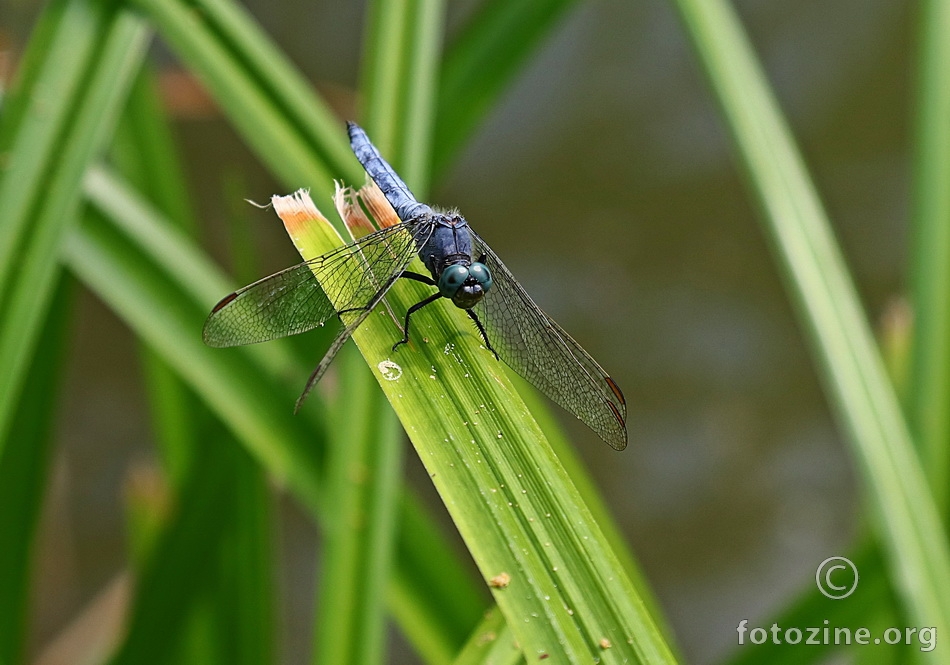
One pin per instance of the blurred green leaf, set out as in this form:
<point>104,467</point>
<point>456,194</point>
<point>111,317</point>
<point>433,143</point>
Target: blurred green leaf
<point>929,403</point>
<point>398,89</point>
<point>907,520</point>
<point>289,128</point>
<point>75,100</point>
<point>400,83</point>
<point>364,479</point>
<point>491,642</point>
<point>482,61</point>
<point>24,473</point>
<point>181,566</point>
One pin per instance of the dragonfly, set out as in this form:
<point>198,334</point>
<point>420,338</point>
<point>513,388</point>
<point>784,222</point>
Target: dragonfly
<point>462,268</point>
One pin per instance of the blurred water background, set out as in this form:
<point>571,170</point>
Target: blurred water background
<point>606,181</point>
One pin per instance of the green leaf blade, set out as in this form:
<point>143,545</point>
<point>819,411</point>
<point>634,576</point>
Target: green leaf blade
<point>826,300</point>
<point>551,572</point>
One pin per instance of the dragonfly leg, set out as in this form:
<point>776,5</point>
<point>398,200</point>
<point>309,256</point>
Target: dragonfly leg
<point>478,324</point>
<point>415,308</point>
<point>416,277</point>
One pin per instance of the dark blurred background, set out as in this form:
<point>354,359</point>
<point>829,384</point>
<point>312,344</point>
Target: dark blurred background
<point>606,181</point>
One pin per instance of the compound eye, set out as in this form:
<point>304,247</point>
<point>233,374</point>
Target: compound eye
<point>479,271</point>
<point>452,279</point>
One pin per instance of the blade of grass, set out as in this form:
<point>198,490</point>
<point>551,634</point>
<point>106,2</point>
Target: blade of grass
<point>241,600</point>
<point>559,585</point>
<point>30,67</point>
<point>860,392</point>
<point>365,463</point>
<point>407,132</point>
<point>24,472</point>
<point>268,103</point>
<point>222,597</point>
<point>169,321</point>
<point>482,61</point>
<point>589,493</point>
<point>455,604</point>
<point>247,595</point>
<point>491,642</point>
<point>490,50</point>
<point>403,45</point>
<point>176,573</point>
<point>37,113</point>
<point>143,152</point>
<point>358,552</point>
<point>383,68</point>
<point>929,403</point>
<point>105,78</point>
<point>162,286</point>
<point>312,116</point>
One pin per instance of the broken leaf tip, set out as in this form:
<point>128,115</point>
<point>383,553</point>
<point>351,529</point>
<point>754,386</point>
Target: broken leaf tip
<point>296,210</point>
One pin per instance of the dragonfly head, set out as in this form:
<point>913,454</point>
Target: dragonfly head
<point>465,285</point>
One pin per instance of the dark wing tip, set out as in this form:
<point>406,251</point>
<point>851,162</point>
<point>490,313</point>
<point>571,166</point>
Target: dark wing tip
<point>618,443</point>
<point>207,335</point>
<point>224,302</point>
<point>620,414</point>
<point>615,389</point>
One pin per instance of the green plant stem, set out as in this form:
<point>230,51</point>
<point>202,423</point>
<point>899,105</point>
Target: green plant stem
<point>905,514</point>
<point>929,403</point>
<point>28,266</point>
<point>364,478</point>
<point>482,61</point>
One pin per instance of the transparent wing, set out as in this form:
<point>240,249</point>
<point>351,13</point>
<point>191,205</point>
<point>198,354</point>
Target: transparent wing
<point>536,347</point>
<point>294,300</point>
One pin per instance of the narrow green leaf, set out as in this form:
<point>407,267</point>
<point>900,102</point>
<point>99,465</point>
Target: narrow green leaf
<point>39,111</point>
<point>260,93</point>
<point>403,43</point>
<point>24,469</point>
<point>491,642</point>
<point>169,320</point>
<point>30,68</point>
<point>177,571</point>
<point>364,475</point>
<point>143,151</point>
<point>482,61</point>
<point>360,541</point>
<point>561,588</point>
<point>239,598</point>
<point>247,596</point>
<point>106,74</point>
<point>821,288</point>
<point>162,286</point>
<point>929,403</point>
<point>589,493</point>
<point>437,629</point>
<point>293,94</point>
